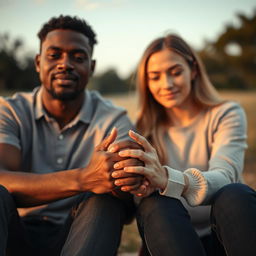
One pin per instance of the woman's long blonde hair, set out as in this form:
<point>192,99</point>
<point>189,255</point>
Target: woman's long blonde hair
<point>152,118</point>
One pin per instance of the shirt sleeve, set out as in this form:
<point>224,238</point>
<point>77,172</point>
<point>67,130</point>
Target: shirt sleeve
<point>123,125</point>
<point>121,121</point>
<point>9,128</point>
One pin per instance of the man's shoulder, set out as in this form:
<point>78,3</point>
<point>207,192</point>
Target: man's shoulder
<point>18,101</point>
<point>106,115</point>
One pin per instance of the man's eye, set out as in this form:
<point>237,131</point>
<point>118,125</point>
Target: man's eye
<point>79,57</point>
<point>53,55</point>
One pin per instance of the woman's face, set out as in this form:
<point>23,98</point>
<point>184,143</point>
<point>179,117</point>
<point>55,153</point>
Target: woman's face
<point>169,78</point>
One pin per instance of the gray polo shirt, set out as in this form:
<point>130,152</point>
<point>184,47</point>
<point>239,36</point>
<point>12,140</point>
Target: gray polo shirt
<point>47,148</point>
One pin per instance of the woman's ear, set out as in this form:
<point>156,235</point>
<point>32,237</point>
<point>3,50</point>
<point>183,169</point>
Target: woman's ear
<point>193,72</point>
<point>37,62</point>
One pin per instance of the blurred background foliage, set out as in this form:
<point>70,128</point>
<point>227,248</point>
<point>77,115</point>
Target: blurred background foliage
<point>230,61</point>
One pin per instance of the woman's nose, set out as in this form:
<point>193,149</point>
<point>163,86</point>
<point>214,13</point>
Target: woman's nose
<point>167,81</point>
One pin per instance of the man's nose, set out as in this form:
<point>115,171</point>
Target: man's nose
<point>65,63</point>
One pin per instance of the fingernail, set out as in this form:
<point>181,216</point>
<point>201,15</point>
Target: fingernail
<point>116,166</point>
<point>114,174</point>
<point>121,153</point>
<point>112,149</point>
<point>117,183</point>
<point>113,129</point>
<point>132,132</point>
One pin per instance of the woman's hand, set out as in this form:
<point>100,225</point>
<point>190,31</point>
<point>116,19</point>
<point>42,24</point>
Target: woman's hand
<point>154,173</point>
<point>144,190</point>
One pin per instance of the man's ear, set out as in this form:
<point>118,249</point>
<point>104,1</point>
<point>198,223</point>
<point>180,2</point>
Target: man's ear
<point>37,62</point>
<point>93,64</point>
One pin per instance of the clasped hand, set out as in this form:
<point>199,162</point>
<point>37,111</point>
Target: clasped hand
<point>106,160</point>
<point>155,175</point>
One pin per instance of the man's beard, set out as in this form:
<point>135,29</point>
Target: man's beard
<point>65,96</point>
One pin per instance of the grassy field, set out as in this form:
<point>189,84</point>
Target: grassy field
<point>130,239</point>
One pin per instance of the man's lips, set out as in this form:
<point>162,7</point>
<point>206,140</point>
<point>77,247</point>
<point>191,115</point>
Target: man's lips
<point>61,76</point>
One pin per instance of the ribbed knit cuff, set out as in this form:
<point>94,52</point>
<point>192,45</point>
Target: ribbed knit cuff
<point>197,187</point>
<point>175,185</point>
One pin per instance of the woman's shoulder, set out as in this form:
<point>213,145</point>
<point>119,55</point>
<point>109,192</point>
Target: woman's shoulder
<point>228,110</point>
<point>225,108</point>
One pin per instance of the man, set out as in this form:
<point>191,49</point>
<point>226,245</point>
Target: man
<point>53,155</point>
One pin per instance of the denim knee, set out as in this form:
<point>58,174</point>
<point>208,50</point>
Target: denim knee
<point>97,226</point>
<point>6,199</point>
<point>233,219</point>
<point>99,203</point>
<point>165,227</point>
<point>234,197</point>
<point>234,206</point>
<point>157,206</point>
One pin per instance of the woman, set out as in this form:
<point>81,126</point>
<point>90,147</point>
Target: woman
<point>194,145</point>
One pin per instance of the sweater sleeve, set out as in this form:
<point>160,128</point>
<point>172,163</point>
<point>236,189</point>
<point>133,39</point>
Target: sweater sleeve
<point>228,147</point>
<point>228,135</point>
<point>197,185</point>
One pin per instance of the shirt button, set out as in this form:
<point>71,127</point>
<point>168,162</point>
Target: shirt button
<point>59,160</point>
<point>45,218</point>
<point>61,137</point>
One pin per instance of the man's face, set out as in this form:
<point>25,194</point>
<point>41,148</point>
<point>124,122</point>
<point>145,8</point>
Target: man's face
<point>65,64</point>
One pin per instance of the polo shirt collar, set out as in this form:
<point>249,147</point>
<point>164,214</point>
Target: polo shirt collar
<point>84,115</point>
<point>38,105</point>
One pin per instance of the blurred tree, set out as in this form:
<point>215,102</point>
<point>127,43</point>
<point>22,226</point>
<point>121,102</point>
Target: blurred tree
<point>231,59</point>
<point>15,74</point>
<point>108,83</point>
<point>131,81</point>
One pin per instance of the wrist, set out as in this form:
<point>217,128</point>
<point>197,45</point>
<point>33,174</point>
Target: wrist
<point>164,179</point>
<point>186,180</point>
<point>175,184</point>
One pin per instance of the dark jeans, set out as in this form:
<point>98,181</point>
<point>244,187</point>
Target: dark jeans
<point>165,226</point>
<point>93,228</point>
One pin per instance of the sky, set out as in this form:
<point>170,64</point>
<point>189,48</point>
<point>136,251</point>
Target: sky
<point>124,28</point>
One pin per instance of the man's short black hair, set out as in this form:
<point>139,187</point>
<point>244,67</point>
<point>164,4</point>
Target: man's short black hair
<point>67,22</point>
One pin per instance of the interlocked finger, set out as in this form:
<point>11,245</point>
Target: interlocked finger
<point>108,140</point>
<point>140,140</point>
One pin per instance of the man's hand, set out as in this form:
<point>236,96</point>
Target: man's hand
<point>96,177</point>
<point>105,171</point>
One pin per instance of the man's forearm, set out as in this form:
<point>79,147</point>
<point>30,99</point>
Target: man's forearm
<point>30,189</point>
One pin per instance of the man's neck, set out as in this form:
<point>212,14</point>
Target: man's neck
<point>62,111</point>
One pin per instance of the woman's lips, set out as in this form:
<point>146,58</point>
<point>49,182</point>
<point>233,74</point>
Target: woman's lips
<point>169,95</point>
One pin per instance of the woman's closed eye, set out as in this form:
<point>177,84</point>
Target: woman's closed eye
<point>176,72</point>
<point>153,77</point>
